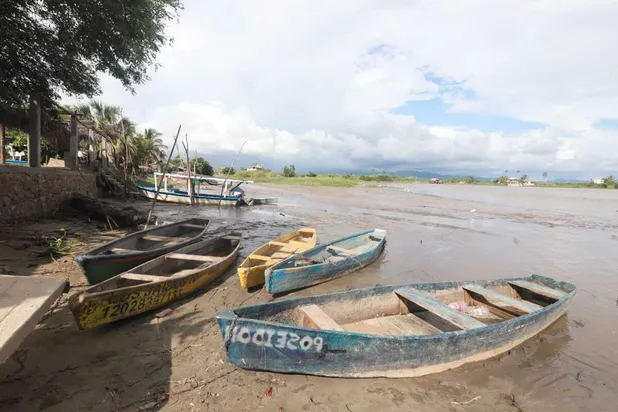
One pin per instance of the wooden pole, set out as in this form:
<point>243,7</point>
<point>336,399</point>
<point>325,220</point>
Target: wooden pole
<point>2,136</point>
<point>190,184</point>
<point>74,146</point>
<point>34,140</point>
<point>126,154</point>
<point>229,170</point>
<point>169,157</point>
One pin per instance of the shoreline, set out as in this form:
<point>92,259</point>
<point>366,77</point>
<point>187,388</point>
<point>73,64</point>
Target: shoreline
<point>178,363</point>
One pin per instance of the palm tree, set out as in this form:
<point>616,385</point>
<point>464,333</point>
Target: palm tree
<point>149,148</point>
<point>106,119</point>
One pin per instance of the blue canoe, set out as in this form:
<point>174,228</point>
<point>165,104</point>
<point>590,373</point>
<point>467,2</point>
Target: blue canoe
<point>325,262</point>
<point>392,331</point>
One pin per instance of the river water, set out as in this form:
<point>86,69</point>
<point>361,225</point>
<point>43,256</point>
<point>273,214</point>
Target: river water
<point>458,232</point>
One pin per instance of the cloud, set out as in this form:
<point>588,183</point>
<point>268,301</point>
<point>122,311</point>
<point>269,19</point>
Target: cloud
<point>316,82</point>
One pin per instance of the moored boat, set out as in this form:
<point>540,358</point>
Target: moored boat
<point>325,262</point>
<point>230,195</point>
<point>392,331</point>
<point>117,256</point>
<point>183,197</point>
<point>251,270</point>
<point>155,283</point>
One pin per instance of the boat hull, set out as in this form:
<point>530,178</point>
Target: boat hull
<point>253,275</point>
<point>100,267</point>
<point>97,269</point>
<point>271,346</point>
<point>106,307</point>
<point>184,199</point>
<point>285,280</point>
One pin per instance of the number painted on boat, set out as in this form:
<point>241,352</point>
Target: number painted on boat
<point>273,339</point>
<point>100,312</point>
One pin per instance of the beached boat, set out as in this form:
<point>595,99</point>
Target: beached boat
<point>155,283</point>
<point>392,331</point>
<point>325,262</point>
<point>232,194</point>
<point>122,254</point>
<point>251,270</point>
<point>183,197</point>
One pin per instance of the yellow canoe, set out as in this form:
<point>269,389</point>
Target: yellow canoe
<point>251,270</point>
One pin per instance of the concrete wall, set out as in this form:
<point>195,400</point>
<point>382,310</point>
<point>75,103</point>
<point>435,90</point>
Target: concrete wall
<point>27,193</point>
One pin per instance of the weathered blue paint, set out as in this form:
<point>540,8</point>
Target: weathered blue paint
<point>255,340</point>
<point>318,265</point>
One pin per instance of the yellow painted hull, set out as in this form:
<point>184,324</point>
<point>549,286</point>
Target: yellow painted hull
<point>251,270</point>
<point>100,307</point>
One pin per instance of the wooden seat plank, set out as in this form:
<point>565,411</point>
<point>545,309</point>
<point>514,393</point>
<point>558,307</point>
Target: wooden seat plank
<point>167,239</point>
<point>144,278</point>
<point>540,289</point>
<point>279,244</point>
<point>121,250</point>
<point>398,325</point>
<point>280,255</point>
<point>198,258</point>
<point>438,308</point>
<point>313,316</point>
<point>503,301</point>
<point>260,257</point>
<point>340,251</point>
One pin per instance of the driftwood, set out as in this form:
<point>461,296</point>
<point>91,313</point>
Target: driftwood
<point>96,209</point>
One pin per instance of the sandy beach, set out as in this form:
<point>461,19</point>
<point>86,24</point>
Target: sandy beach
<point>435,232</point>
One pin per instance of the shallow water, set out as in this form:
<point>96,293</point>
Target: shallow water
<point>451,232</point>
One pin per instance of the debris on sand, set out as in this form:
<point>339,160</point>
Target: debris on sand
<point>467,402</point>
<point>163,313</point>
<point>269,392</point>
<point>96,209</point>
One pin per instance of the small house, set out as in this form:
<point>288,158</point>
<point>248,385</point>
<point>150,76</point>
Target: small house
<point>254,167</point>
<point>514,181</point>
<point>435,181</point>
<point>598,181</point>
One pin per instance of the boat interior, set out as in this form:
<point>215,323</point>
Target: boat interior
<point>411,311</point>
<point>339,251</point>
<point>165,236</point>
<point>300,241</point>
<point>177,264</point>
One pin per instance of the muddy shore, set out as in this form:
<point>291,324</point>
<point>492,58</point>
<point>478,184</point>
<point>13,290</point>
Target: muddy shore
<point>434,233</point>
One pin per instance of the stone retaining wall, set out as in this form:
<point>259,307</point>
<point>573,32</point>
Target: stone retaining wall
<point>27,193</point>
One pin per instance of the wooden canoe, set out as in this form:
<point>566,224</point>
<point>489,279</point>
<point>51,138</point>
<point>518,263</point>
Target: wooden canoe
<point>155,283</point>
<point>251,270</point>
<point>122,254</point>
<point>325,262</point>
<point>392,331</point>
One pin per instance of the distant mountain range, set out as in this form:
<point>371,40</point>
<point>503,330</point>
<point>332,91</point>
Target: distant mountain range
<point>225,159</point>
<point>426,174</point>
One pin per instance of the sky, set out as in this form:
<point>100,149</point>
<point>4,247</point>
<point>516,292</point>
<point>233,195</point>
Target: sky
<point>460,87</point>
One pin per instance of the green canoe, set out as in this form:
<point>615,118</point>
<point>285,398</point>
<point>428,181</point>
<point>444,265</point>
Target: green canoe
<point>122,254</point>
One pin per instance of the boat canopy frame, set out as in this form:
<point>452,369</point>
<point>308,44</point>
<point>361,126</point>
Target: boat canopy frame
<point>229,185</point>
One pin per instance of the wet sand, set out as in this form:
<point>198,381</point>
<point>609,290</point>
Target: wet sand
<point>435,232</point>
